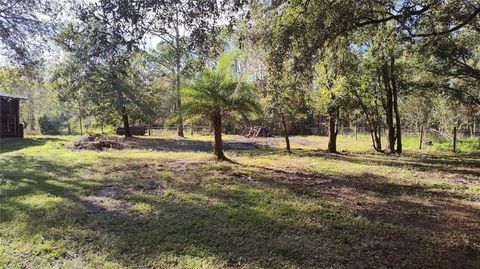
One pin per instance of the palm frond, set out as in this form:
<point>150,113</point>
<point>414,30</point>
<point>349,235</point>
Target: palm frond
<point>218,89</point>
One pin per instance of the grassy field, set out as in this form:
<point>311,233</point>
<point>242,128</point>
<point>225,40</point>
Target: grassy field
<point>164,202</point>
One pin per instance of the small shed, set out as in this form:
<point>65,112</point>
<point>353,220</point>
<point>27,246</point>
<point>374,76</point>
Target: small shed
<point>10,116</point>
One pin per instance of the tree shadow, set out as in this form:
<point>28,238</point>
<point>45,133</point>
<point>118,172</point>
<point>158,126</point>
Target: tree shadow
<point>257,224</point>
<point>461,164</point>
<point>166,144</point>
<point>14,144</point>
<point>420,212</point>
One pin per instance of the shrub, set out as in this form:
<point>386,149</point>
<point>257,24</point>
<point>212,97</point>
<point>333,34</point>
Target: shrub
<point>463,144</point>
<point>51,124</point>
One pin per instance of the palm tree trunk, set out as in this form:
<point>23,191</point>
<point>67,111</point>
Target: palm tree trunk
<point>216,118</point>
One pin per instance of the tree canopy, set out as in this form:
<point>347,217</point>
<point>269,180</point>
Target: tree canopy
<point>310,66</point>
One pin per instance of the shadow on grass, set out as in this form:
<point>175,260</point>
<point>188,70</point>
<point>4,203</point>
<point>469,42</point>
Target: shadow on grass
<point>465,164</point>
<point>14,144</point>
<point>166,144</point>
<point>260,223</point>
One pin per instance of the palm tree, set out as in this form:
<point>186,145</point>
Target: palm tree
<point>214,94</point>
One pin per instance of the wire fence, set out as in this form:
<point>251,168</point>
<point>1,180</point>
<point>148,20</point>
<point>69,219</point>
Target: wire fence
<point>319,130</point>
<point>188,129</point>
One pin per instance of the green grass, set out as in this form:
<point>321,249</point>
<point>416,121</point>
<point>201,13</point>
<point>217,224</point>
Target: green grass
<point>146,208</point>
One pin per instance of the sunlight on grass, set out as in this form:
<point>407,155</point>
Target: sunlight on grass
<point>141,208</point>
<point>41,200</point>
<point>180,208</point>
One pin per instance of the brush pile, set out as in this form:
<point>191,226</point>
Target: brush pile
<point>98,142</point>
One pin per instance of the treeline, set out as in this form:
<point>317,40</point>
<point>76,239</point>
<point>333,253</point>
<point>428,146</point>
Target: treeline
<point>384,65</point>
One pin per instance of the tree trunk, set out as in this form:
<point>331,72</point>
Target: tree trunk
<point>216,118</point>
<point>25,124</point>
<point>395,105</point>
<point>332,134</point>
<point>318,124</point>
<point>180,125</point>
<point>389,109</point>
<point>376,139</point>
<point>454,139</point>
<point>101,126</point>
<point>379,138</point>
<point>474,126</point>
<point>372,135</point>
<point>126,125</point>
<point>31,114</point>
<point>150,129</point>
<point>356,132</point>
<point>421,137</point>
<point>191,129</point>
<point>376,142</point>
<point>285,132</point>
<point>81,125</point>
<point>178,54</point>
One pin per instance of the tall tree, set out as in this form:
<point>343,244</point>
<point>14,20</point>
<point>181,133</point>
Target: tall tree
<point>299,30</point>
<point>385,51</point>
<point>186,27</point>
<point>284,95</point>
<point>103,42</point>
<point>333,71</point>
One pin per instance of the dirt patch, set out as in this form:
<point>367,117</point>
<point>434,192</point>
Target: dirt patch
<point>97,142</point>
<point>108,192</point>
<point>108,199</point>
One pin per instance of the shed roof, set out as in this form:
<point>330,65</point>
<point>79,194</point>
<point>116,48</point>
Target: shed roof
<point>4,95</point>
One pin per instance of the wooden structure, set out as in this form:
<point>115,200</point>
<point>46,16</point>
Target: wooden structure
<point>10,116</point>
<point>258,131</point>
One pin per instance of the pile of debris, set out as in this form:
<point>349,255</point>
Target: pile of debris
<point>98,142</point>
<point>258,131</point>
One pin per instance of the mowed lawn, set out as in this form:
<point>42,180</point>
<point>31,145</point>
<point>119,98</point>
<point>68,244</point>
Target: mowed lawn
<point>164,202</point>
